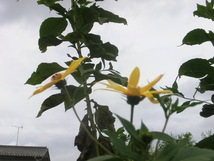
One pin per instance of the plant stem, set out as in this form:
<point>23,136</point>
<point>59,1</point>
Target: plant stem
<point>84,81</point>
<point>84,127</point>
<point>132,113</point>
<point>163,130</point>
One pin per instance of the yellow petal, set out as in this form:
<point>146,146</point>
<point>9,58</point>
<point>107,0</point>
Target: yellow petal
<point>160,92</point>
<point>73,66</point>
<point>151,97</point>
<point>134,78</point>
<point>116,87</point>
<point>150,85</point>
<point>42,88</point>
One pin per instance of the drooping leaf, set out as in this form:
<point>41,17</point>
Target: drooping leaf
<point>83,142</point>
<point>103,117</point>
<point>44,71</point>
<point>196,68</point>
<point>52,26</point>
<point>44,42</point>
<point>51,102</point>
<point>198,36</point>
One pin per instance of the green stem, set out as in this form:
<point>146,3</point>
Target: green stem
<point>163,130</point>
<point>83,125</point>
<point>88,104</point>
<point>132,113</point>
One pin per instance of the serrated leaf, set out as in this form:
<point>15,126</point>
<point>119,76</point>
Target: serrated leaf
<point>205,11</point>
<point>43,71</point>
<point>52,27</point>
<point>51,102</point>
<point>44,42</point>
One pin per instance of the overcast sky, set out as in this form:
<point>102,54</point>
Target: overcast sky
<point>151,41</point>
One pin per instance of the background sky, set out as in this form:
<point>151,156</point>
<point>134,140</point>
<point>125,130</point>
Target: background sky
<point>151,41</point>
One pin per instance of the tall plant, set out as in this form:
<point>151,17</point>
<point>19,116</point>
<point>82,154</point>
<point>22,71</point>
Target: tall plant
<point>91,63</point>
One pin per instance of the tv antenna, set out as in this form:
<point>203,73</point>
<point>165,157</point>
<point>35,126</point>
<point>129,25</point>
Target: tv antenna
<point>17,136</point>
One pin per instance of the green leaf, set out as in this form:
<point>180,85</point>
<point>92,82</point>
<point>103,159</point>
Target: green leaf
<point>207,83</point>
<point>207,110</point>
<point>162,136</point>
<point>205,11</point>
<point>43,71</point>
<point>105,51</point>
<point>47,2</point>
<point>53,27</point>
<point>129,128</point>
<point>187,104</point>
<point>76,95</point>
<point>44,42</point>
<point>206,143</point>
<point>58,8</point>
<point>121,147</point>
<point>106,16</point>
<point>112,76</point>
<point>51,102</point>
<point>179,152</point>
<point>198,36</point>
<point>73,37</point>
<point>196,68</point>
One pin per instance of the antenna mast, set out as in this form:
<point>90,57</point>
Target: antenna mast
<point>17,137</point>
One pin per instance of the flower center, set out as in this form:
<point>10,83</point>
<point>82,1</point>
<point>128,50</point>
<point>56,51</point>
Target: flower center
<point>134,100</point>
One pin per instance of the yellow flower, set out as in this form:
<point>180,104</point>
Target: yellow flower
<point>60,76</point>
<point>133,91</point>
